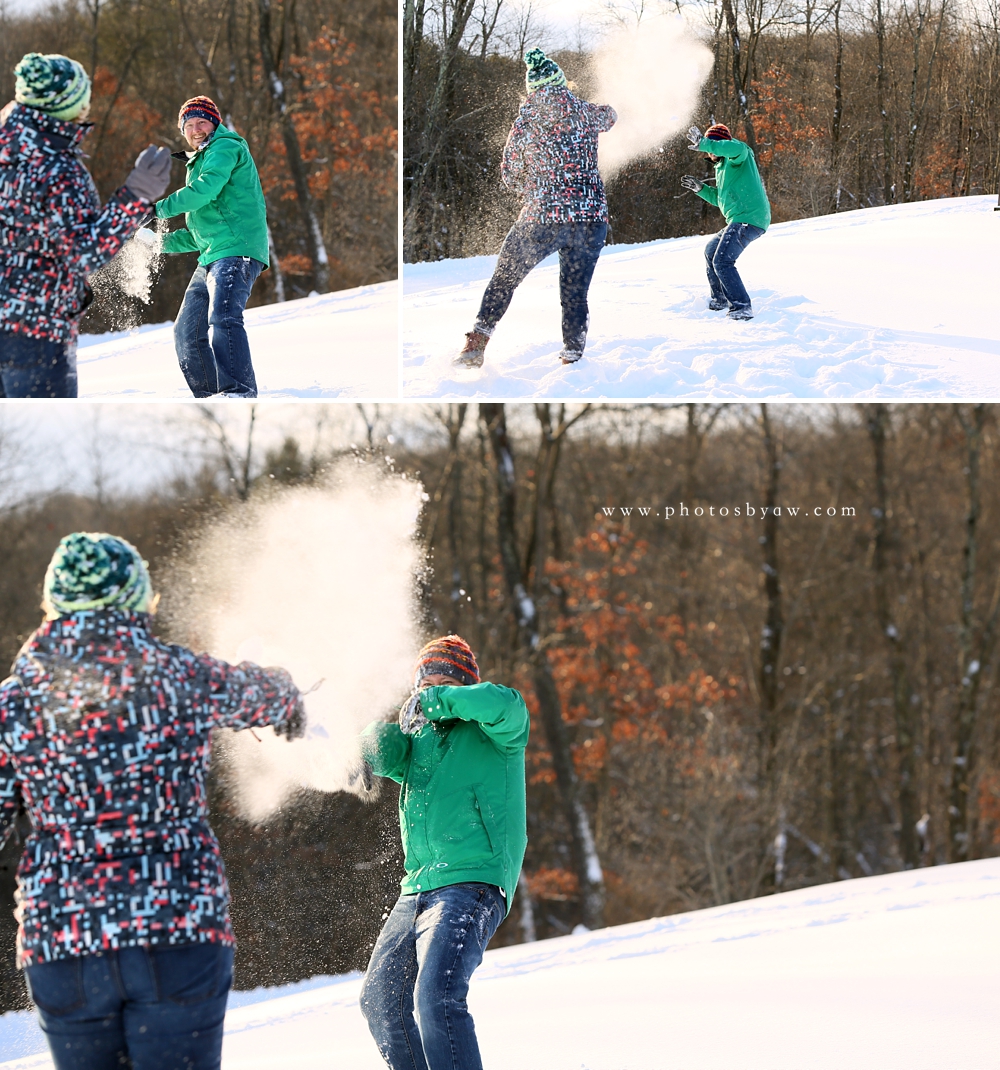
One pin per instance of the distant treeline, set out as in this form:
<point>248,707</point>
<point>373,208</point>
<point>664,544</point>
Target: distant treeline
<point>311,85</point>
<point>722,706</point>
<point>846,106</point>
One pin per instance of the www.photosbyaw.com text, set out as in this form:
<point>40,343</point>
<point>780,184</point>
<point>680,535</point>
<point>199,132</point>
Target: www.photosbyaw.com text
<point>754,512</point>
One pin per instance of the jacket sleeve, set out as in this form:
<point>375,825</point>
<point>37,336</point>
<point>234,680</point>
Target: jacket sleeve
<point>247,696</point>
<point>11,695</point>
<point>512,165</point>
<point>710,194</point>
<point>386,749</point>
<point>499,711</point>
<point>179,241</point>
<point>220,159</point>
<point>734,151</point>
<point>604,117</point>
<point>87,237</point>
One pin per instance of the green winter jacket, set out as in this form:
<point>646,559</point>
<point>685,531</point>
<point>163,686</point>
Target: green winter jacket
<point>462,807</point>
<point>738,193</point>
<point>223,202</point>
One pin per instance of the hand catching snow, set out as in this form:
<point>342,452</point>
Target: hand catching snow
<point>694,136</point>
<point>692,183</point>
<point>411,715</point>
<point>148,237</point>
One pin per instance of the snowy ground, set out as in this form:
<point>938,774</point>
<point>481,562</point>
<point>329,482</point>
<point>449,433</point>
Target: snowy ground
<point>342,344</point>
<point>883,973</point>
<point>882,303</point>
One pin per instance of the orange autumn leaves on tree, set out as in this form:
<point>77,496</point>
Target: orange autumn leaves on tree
<point>344,130</point>
<point>123,126</point>
<point>780,123</point>
<point>624,672</point>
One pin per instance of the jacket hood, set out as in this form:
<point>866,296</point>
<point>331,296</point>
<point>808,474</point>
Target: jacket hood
<point>32,128</point>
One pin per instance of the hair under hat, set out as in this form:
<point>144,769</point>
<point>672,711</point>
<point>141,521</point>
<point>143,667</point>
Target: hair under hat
<point>542,71</point>
<point>718,132</point>
<point>54,84</point>
<point>450,655</point>
<point>198,108</point>
<point>94,570</point>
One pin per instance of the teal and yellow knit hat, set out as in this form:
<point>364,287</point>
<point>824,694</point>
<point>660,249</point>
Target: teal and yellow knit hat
<point>56,85</point>
<point>542,71</point>
<point>94,570</point>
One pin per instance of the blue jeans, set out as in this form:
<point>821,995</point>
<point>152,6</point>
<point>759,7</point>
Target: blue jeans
<point>419,971</point>
<point>528,244</point>
<point>720,259</point>
<point>148,1008</point>
<point>36,367</point>
<point>209,336</point>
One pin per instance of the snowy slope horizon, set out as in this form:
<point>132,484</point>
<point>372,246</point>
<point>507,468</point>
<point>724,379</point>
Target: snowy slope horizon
<point>890,302</point>
<point>340,344</point>
<point>894,972</point>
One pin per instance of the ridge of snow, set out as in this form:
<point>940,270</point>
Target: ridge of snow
<point>339,344</point>
<point>886,302</point>
<point>891,972</point>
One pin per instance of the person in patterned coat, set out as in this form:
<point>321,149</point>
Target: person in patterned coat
<point>105,739</point>
<point>53,230</point>
<point>550,160</point>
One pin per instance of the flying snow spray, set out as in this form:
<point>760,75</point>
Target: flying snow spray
<point>652,75</point>
<point>318,580</point>
<point>130,273</point>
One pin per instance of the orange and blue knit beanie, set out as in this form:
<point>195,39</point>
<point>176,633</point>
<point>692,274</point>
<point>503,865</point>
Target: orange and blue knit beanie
<point>718,132</point>
<point>198,108</point>
<point>450,655</point>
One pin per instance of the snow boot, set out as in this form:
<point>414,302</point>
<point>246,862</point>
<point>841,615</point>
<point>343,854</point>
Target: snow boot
<point>741,313</point>
<point>473,351</point>
<point>717,304</point>
<point>570,356</point>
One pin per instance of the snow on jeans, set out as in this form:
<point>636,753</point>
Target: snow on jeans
<point>209,336</point>
<point>720,260</point>
<point>527,244</point>
<point>419,971</point>
<point>148,1008</point>
<point>36,367</point>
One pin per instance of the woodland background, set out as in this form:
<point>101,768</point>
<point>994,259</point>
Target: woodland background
<point>322,130</point>
<point>846,103</point>
<point>722,706</point>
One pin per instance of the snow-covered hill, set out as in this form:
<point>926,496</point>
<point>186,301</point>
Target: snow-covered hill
<point>341,344</point>
<point>882,303</point>
<point>897,972</point>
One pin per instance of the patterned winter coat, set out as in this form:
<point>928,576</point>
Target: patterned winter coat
<point>53,231</point>
<point>550,158</point>
<point>105,734</point>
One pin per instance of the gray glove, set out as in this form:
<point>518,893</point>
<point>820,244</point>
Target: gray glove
<point>151,175</point>
<point>692,183</point>
<point>362,774</point>
<point>411,715</point>
<point>694,136</point>
<point>294,725</point>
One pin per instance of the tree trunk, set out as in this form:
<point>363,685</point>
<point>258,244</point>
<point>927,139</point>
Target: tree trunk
<point>585,857</point>
<point>903,709</point>
<point>307,209</point>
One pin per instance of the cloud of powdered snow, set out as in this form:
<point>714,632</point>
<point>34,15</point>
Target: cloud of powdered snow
<point>320,581</point>
<point>652,75</point>
<point>130,273</point>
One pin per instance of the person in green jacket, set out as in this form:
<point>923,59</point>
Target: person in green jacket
<point>227,227</point>
<point>739,194</point>
<point>458,752</point>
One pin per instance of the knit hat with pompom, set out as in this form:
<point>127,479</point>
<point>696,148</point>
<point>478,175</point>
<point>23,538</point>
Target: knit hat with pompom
<point>450,655</point>
<point>56,85</point>
<point>542,71</point>
<point>94,570</point>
